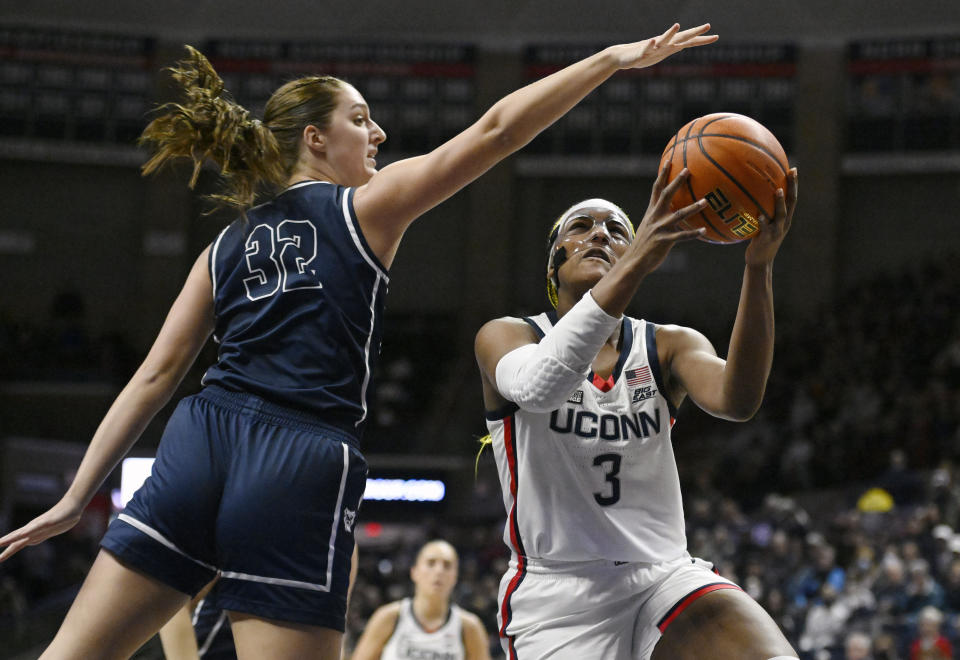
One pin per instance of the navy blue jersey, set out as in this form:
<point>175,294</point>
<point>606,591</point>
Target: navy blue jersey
<point>298,298</point>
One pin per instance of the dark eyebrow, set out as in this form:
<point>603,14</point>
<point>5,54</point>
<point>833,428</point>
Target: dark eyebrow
<point>362,106</point>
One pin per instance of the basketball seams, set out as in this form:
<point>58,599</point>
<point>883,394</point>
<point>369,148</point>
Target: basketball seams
<point>733,180</point>
<point>738,138</point>
<point>724,237</point>
<point>757,146</point>
<point>690,185</point>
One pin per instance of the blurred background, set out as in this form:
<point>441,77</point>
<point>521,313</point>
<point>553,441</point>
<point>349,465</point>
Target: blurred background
<point>836,507</point>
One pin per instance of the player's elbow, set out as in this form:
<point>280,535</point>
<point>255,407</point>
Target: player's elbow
<point>744,415</point>
<point>742,409</point>
<point>158,375</point>
<point>530,398</point>
<point>536,402</point>
<point>500,135</point>
<point>501,141</point>
<point>153,375</point>
<point>535,382</point>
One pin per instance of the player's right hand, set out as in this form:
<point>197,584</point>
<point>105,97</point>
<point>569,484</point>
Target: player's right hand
<point>58,519</point>
<point>650,51</point>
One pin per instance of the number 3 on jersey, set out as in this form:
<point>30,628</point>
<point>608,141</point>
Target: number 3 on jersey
<point>611,468</point>
<point>281,258</point>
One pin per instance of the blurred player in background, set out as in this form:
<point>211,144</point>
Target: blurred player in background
<point>427,625</point>
<point>579,403</point>
<point>258,478</point>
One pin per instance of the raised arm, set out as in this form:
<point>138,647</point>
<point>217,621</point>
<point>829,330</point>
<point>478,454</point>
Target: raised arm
<point>186,329</point>
<point>401,192</point>
<point>733,388</point>
<point>539,376</point>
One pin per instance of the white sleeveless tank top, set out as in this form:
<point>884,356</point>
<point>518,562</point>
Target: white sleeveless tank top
<point>410,641</point>
<point>596,478</point>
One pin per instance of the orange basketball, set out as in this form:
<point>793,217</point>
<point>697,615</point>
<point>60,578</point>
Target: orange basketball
<point>736,164</point>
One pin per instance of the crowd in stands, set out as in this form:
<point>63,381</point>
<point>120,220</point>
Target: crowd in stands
<point>837,508</point>
<point>877,370</point>
<point>851,569</point>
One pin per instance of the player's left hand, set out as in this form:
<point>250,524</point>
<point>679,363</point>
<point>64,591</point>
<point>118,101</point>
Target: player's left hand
<point>763,247</point>
<point>651,51</point>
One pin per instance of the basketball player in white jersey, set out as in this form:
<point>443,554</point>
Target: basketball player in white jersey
<point>427,626</point>
<point>580,402</point>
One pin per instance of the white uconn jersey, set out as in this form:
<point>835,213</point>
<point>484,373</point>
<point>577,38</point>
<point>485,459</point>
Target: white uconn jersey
<point>410,641</point>
<point>596,478</point>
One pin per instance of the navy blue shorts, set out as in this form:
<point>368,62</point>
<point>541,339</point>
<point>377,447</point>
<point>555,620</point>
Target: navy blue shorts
<point>261,495</point>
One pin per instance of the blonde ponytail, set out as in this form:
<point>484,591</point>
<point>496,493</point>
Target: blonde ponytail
<point>208,126</point>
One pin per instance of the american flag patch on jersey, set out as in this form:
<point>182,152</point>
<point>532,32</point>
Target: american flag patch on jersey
<point>638,376</point>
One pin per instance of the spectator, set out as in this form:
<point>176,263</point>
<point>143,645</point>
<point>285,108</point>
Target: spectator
<point>826,620</point>
<point>951,601</point>
<point>885,647</point>
<point>930,644</point>
<point>922,590</point>
<point>823,571</point>
<point>890,587</point>
<point>857,647</point>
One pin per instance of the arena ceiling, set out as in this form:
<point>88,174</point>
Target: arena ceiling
<point>494,22</point>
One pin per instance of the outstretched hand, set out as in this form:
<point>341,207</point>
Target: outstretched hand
<point>659,231</point>
<point>650,51</point>
<point>58,519</point>
<point>763,247</point>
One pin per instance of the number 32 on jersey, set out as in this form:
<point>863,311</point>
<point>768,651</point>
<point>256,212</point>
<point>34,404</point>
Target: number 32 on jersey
<point>279,259</point>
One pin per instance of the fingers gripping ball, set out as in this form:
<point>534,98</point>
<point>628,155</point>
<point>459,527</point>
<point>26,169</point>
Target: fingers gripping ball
<point>736,164</point>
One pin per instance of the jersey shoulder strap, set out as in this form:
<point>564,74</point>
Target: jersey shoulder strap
<point>542,323</point>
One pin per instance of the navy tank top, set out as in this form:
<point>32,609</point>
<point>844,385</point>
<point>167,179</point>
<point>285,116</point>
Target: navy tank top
<point>299,297</point>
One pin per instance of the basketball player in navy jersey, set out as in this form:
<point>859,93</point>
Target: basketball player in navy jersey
<point>580,402</point>
<point>258,478</point>
<point>200,630</point>
<point>210,626</point>
<point>427,625</point>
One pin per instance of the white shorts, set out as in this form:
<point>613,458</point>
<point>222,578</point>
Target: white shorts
<point>596,609</point>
